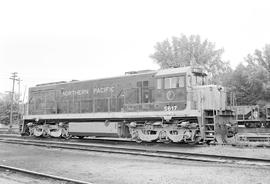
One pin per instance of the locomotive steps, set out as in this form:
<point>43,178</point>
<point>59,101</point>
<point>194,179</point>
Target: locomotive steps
<point>143,151</point>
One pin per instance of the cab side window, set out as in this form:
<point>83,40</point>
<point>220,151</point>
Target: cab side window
<point>173,82</point>
<point>181,83</point>
<point>159,83</point>
<point>167,83</point>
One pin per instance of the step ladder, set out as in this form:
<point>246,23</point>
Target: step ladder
<point>209,125</point>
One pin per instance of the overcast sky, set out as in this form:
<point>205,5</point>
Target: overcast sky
<point>46,41</point>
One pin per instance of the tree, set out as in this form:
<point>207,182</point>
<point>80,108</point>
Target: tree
<point>187,51</point>
<point>259,72</point>
<point>5,104</point>
<point>250,82</point>
<point>238,83</point>
<point>260,58</point>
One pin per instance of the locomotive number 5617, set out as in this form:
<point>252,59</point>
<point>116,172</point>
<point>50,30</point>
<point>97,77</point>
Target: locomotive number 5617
<point>170,108</point>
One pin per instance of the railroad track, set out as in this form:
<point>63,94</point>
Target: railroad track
<point>102,140</point>
<point>142,151</point>
<point>42,176</point>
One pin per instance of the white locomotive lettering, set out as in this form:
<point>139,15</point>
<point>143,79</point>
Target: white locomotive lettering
<point>77,92</point>
<point>170,108</point>
<point>103,90</point>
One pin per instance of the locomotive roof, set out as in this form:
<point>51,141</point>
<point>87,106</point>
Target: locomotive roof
<point>161,72</point>
<point>108,78</point>
<point>171,71</point>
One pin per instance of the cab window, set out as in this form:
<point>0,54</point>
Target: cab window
<point>181,82</point>
<point>159,83</point>
<point>167,83</point>
<point>198,80</point>
<point>174,82</point>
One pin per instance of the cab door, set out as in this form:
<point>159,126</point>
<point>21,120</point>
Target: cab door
<point>143,92</point>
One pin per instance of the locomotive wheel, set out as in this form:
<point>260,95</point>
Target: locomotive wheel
<point>208,142</point>
<point>266,124</point>
<point>167,141</point>
<point>26,132</point>
<point>258,125</point>
<point>191,143</point>
<point>67,136</point>
<point>138,140</point>
<point>46,133</point>
<point>248,125</point>
<point>196,141</point>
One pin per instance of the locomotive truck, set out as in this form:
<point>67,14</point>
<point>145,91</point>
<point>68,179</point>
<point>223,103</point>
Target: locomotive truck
<point>167,105</point>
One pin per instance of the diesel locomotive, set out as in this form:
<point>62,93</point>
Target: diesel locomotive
<point>167,105</point>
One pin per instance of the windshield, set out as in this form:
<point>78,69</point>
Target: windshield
<point>198,80</point>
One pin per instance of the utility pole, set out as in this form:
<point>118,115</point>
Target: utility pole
<point>19,98</point>
<point>19,89</point>
<point>13,78</point>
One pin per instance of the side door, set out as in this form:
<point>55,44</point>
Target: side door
<point>144,94</point>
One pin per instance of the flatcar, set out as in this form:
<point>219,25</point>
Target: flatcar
<point>167,105</point>
<point>253,123</point>
<point>253,116</point>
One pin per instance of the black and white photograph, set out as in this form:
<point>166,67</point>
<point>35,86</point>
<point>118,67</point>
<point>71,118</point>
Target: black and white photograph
<point>134,92</point>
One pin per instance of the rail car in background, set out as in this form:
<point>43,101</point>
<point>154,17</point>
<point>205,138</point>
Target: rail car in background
<point>253,116</point>
<point>169,105</point>
<point>253,122</point>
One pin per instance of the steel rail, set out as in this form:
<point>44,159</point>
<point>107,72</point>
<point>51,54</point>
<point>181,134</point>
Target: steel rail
<point>103,140</point>
<point>39,174</point>
<point>143,152</point>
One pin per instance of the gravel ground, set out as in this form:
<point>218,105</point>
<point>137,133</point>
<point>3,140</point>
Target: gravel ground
<point>9,177</point>
<point>103,168</point>
<point>254,152</point>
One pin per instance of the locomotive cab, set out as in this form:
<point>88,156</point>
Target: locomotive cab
<point>176,86</point>
<point>170,93</point>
